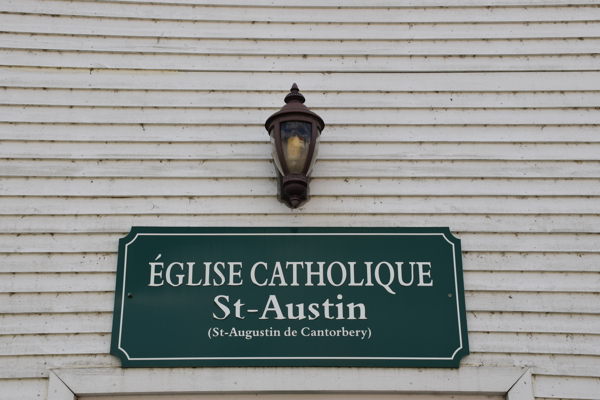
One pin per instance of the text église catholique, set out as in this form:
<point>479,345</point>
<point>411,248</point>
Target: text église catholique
<point>389,276</point>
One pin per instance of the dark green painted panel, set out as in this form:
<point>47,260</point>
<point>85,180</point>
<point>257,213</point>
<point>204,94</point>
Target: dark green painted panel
<point>305,297</point>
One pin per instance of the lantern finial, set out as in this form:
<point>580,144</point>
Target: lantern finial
<point>294,95</point>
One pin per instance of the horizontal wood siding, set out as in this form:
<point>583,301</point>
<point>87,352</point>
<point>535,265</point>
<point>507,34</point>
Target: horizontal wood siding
<point>479,115</point>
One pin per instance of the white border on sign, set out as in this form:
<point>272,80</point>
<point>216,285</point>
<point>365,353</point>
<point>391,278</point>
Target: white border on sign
<point>290,358</point>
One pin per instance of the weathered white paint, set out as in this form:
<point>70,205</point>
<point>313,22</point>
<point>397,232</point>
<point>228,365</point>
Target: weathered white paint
<point>86,382</point>
<point>20,324</point>
<point>536,343</point>
<point>57,390</point>
<point>57,302</point>
<point>280,14</point>
<point>58,282</point>
<point>327,152</point>
<point>523,388</point>
<point>326,169</point>
<point>110,27</point>
<point>466,223</point>
<point>527,302</point>
<point>56,262</point>
<point>532,322</point>
<point>253,48</point>
<point>255,132</point>
<point>84,343</point>
<point>105,115</point>
<point>67,384</point>
<point>480,115</point>
<point>23,389</point>
<point>235,99</point>
<point>303,64</point>
<point>84,78</point>
<point>106,187</point>
<point>317,205</point>
<point>546,364</point>
<point>39,366</point>
<point>372,4</point>
<point>573,387</point>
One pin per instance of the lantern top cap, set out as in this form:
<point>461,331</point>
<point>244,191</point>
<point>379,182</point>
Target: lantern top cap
<point>294,95</point>
<point>294,106</point>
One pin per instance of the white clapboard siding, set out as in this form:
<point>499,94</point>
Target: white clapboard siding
<point>280,14</point>
<point>487,261</point>
<point>111,27</point>
<point>317,100</point>
<point>532,322</point>
<point>299,63</point>
<point>337,151</point>
<point>463,223</point>
<point>532,281</point>
<point>140,187</point>
<point>470,169</point>
<point>535,343</point>
<point>84,343</point>
<point>335,116</point>
<point>57,282</point>
<point>268,81</point>
<point>70,344</point>
<point>39,366</point>
<point>332,133</point>
<point>554,364</point>
<point>322,169</point>
<point>20,324</point>
<point>23,389</point>
<point>532,242</point>
<point>257,49</point>
<point>585,388</point>
<point>532,302</point>
<point>27,303</point>
<point>478,115</point>
<point>317,205</point>
<point>94,262</point>
<point>547,364</point>
<point>572,282</point>
<point>362,4</point>
<point>56,323</point>
<point>472,261</point>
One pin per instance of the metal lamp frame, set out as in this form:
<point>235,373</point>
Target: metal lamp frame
<point>289,185</point>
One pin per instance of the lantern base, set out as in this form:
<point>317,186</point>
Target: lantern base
<point>292,189</point>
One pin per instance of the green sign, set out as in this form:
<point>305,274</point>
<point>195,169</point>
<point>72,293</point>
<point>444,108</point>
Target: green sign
<point>379,297</point>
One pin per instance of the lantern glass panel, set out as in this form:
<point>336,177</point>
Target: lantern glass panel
<point>312,162</point>
<point>274,151</point>
<point>295,142</point>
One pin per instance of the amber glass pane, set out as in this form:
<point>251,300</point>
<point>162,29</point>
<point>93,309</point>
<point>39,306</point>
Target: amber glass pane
<point>274,151</point>
<point>316,153</point>
<point>295,141</point>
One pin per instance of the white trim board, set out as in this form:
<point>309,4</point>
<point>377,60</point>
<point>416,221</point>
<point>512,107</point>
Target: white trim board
<point>514,382</point>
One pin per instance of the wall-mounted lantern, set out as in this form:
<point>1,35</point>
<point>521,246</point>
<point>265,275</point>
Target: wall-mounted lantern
<point>295,132</point>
